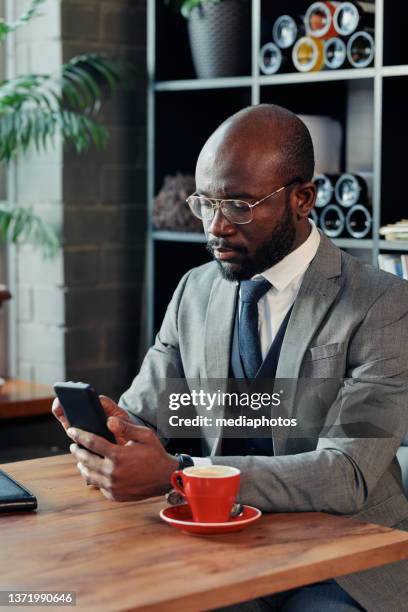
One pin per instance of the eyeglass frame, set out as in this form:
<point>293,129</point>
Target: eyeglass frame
<point>217,202</point>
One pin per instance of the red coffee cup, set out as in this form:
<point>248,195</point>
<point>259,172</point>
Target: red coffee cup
<point>210,491</point>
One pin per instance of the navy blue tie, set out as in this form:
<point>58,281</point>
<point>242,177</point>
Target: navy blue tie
<point>249,346</point>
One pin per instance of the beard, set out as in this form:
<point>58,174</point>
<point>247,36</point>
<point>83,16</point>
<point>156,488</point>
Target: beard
<point>266,254</point>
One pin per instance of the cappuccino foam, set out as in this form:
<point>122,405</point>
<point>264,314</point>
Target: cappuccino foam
<point>216,471</point>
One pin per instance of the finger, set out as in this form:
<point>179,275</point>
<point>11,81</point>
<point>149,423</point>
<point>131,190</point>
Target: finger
<point>83,473</point>
<point>100,465</point>
<point>115,429</point>
<point>106,493</point>
<point>92,442</point>
<point>130,431</point>
<point>92,478</point>
<point>115,425</point>
<point>112,409</point>
<point>59,414</point>
<point>87,459</point>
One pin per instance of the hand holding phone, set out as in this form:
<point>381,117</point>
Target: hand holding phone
<point>141,446</point>
<point>110,408</point>
<point>83,409</point>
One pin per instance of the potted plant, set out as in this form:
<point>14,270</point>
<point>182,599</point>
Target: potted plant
<point>220,36</point>
<point>34,107</point>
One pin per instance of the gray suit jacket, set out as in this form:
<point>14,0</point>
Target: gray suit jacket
<point>349,331</point>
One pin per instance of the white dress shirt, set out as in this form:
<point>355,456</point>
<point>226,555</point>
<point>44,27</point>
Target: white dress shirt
<point>286,278</point>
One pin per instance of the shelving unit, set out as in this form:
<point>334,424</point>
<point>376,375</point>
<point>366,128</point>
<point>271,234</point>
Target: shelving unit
<point>184,110</point>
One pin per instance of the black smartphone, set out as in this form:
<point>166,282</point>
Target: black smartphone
<point>13,496</point>
<point>83,408</point>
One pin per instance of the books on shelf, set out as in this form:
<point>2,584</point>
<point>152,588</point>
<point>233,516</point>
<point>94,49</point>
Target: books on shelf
<point>396,264</point>
<point>395,231</point>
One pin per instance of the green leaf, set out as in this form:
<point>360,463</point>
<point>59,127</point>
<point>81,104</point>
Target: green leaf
<point>30,13</point>
<point>186,6</point>
<point>19,224</point>
<point>33,107</point>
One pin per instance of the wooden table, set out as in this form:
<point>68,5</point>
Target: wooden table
<point>19,398</point>
<point>121,556</point>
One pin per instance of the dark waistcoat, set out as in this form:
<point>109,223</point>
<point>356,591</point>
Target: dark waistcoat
<point>253,446</point>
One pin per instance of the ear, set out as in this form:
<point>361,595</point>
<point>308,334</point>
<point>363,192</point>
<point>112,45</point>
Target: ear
<point>305,197</point>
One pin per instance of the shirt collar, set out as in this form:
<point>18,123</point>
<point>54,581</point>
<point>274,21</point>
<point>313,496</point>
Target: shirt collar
<point>285,271</point>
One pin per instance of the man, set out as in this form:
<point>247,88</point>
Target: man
<point>323,315</point>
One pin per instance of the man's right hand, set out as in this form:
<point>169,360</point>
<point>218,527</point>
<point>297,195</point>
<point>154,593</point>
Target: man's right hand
<point>117,469</point>
<point>110,409</point>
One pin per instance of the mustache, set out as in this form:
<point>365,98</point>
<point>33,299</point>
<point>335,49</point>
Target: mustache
<point>221,243</point>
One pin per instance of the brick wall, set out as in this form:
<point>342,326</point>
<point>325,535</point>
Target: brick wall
<point>79,315</point>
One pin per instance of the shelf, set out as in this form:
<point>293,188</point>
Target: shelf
<point>353,243</point>
<point>342,243</point>
<point>393,245</point>
<point>170,236</point>
<point>291,78</point>
<point>366,102</point>
<point>394,71</point>
<point>275,79</point>
<point>194,84</point>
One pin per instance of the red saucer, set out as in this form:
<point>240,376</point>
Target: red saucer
<point>181,518</point>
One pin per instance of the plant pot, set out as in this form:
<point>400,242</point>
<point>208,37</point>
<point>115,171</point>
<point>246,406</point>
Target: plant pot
<point>220,38</point>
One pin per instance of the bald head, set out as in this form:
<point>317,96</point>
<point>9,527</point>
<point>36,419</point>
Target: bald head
<point>264,141</point>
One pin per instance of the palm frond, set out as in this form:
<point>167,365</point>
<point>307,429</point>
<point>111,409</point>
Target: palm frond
<point>34,107</point>
<point>30,13</point>
<point>20,224</point>
<point>38,127</point>
<point>186,6</point>
<point>86,78</point>
<point>82,131</point>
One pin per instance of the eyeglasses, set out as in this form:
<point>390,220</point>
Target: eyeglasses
<point>238,212</point>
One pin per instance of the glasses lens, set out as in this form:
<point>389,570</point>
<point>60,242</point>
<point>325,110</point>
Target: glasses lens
<point>200,207</point>
<point>236,211</point>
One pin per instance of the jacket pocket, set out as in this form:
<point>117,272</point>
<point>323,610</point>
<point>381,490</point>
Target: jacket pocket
<point>389,512</point>
<point>325,350</point>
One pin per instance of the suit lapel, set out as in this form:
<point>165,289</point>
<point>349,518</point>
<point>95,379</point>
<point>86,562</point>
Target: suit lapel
<point>319,289</point>
<point>219,326</point>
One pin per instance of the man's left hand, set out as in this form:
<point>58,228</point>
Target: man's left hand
<point>139,469</point>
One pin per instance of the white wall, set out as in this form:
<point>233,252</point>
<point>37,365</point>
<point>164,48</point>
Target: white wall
<point>39,299</point>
